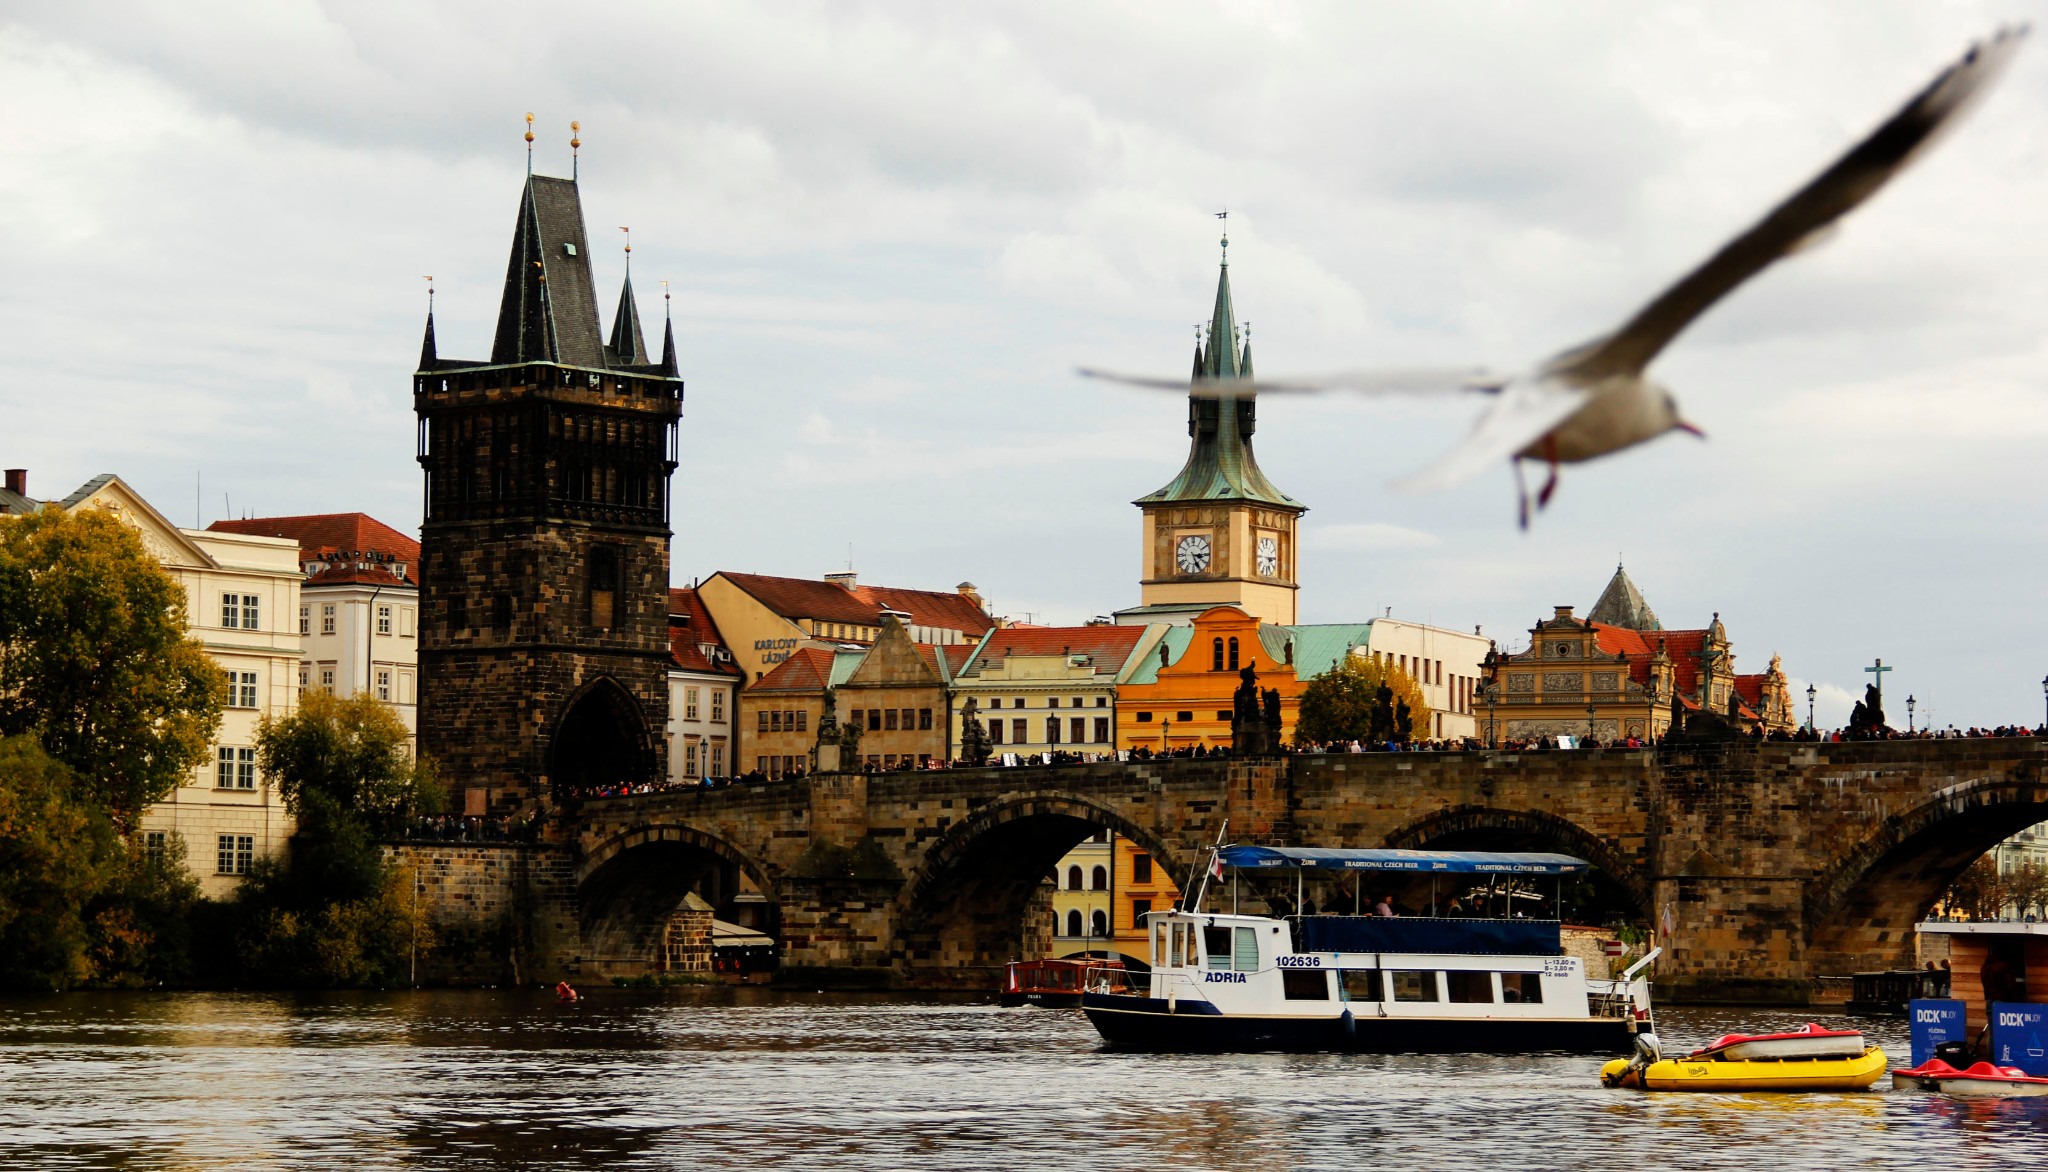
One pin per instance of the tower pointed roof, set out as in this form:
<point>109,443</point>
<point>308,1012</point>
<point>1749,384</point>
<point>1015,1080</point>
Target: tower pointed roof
<point>549,310</point>
<point>668,347</point>
<point>1622,605</point>
<point>428,357</point>
<point>1221,420</point>
<point>627,347</point>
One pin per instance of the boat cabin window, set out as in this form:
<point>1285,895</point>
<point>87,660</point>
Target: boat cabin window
<point>1160,935</point>
<point>1247,950</point>
<point>1467,987</point>
<point>1525,988</point>
<point>1361,984</point>
<point>1216,942</point>
<point>1304,985</point>
<point>1414,986</point>
<point>1232,948</point>
<point>1194,953</point>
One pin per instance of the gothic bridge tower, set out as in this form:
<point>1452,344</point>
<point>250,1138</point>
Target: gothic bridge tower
<point>545,542</point>
<point>1220,533</point>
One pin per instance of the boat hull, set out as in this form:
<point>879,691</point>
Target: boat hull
<point>1710,1074</point>
<point>1981,1081</point>
<point>1143,1023</point>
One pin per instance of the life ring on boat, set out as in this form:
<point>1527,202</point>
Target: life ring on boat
<point>565,992</point>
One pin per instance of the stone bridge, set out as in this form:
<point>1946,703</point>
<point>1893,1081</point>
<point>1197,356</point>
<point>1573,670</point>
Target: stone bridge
<point>1762,865</point>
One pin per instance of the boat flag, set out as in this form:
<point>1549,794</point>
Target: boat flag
<point>1216,864</point>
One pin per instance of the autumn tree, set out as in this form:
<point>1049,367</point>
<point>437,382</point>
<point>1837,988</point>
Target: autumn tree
<point>95,662</point>
<point>1339,704</point>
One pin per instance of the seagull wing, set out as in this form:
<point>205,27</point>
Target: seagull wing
<point>1855,177</point>
<point>1392,381</point>
<point>1525,412</point>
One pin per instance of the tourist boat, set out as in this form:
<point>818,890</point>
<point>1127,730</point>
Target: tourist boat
<point>1649,1070</point>
<point>1057,982</point>
<point>1232,981</point>
<point>1809,1041</point>
<point>1980,1080</point>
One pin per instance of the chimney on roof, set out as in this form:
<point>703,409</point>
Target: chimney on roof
<point>1563,612</point>
<point>971,593</point>
<point>17,481</point>
<point>846,579</point>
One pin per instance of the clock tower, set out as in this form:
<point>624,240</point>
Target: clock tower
<point>1219,534</point>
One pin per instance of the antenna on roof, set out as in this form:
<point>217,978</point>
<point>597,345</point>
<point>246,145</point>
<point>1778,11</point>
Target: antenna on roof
<point>529,142</point>
<point>575,144</point>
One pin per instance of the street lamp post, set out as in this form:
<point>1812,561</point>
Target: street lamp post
<point>1811,691</point>
<point>1492,743</point>
<point>1909,713</point>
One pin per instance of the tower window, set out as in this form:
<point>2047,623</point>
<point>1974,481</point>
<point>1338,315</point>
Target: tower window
<point>501,612</point>
<point>1216,654</point>
<point>604,584</point>
<point>1233,653</point>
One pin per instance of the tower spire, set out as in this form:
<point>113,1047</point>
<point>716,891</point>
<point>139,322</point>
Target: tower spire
<point>668,335</point>
<point>427,355</point>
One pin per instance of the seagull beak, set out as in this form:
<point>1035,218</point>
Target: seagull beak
<point>1689,429</point>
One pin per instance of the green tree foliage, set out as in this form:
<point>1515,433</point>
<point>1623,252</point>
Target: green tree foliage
<point>1338,704</point>
<point>1983,892</point>
<point>78,904</point>
<point>338,914</point>
<point>95,662</point>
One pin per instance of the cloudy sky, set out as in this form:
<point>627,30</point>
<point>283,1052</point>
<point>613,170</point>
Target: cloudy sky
<point>894,229</point>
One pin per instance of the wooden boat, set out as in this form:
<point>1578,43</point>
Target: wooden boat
<point>1981,1080</point>
<point>1058,982</point>
<point>1650,1072</point>
<point>1226,981</point>
<point>1809,1041</point>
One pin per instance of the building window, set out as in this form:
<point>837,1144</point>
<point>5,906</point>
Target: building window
<point>241,689</point>
<point>909,717</point>
<point>803,719</point>
<point>1183,717</point>
<point>1099,879</point>
<point>1074,881</point>
<point>1052,701</point>
<point>501,612</point>
<point>717,766</point>
<point>327,618</point>
<point>1052,730</point>
<point>1019,732</point>
<point>718,706</point>
<point>405,617</point>
<point>234,768</point>
<point>689,703</point>
<point>231,610</point>
<point>1074,922</point>
<point>1141,870</point>
<point>156,845</point>
<point>995,701</point>
<point>761,720</point>
<point>384,684</point>
<point>1140,908</point>
<point>1098,923</point>
<point>995,732</point>
<point>383,620</point>
<point>305,620</point>
<point>1144,718</point>
<point>1102,701</point>
<point>775,721</point>
<point>689,758</point>
<point>1077,729</point>
<point>235,854</point>
<point>875,720</point>
<point>1233,653</point>
<point>889,719</point>
<point>305,675</point>
<point>1216,654</point>
<point>1102,730</point>
<point>604,584</point>
<point>924,718</point>
<point>327,680</point>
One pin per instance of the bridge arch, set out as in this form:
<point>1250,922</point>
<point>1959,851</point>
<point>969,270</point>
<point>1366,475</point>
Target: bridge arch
<point>631,884</point>
<point>1619,880</point>
<point>965,907</point>
<point>1861,909</point>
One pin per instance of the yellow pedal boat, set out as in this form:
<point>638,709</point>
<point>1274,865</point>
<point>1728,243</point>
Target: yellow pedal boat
<point>1707,1074</point>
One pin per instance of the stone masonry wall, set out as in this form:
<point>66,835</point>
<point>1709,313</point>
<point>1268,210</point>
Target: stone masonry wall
<point>502,914</point>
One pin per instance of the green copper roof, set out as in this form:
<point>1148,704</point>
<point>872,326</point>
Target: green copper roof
<point>1317,647</point>
<point>1175,641</point>
<point>1220,464</point>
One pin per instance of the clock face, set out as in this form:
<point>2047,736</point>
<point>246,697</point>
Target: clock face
<point>1269,556</point>
<point>1191,554</point>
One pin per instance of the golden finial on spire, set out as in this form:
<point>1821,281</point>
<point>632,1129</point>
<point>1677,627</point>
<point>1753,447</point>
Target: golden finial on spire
<point>529,142</point>
<point>575,145</point>
<point>430,293</point>
<point>629,238</point>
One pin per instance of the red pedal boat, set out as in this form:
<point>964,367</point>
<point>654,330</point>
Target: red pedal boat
<point>1810,1041</point>
<point>1980,1080</point>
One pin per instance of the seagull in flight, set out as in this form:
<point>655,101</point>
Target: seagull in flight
<point>1596,398</point>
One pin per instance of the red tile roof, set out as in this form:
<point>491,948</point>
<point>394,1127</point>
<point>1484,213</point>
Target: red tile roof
<point>690,630</point>
<point>1641,646</point>
<point>1110,646</point>
<point>808,669</point>
<point>338,540</point>
<point>809,598</point>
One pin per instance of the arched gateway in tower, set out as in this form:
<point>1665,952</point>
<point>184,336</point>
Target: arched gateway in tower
<point>544,547</point>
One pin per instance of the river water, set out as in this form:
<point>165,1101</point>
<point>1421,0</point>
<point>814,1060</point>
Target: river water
<point>753,1078</point>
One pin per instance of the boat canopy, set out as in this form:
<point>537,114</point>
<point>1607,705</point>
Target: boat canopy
<point>1425,862</point>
